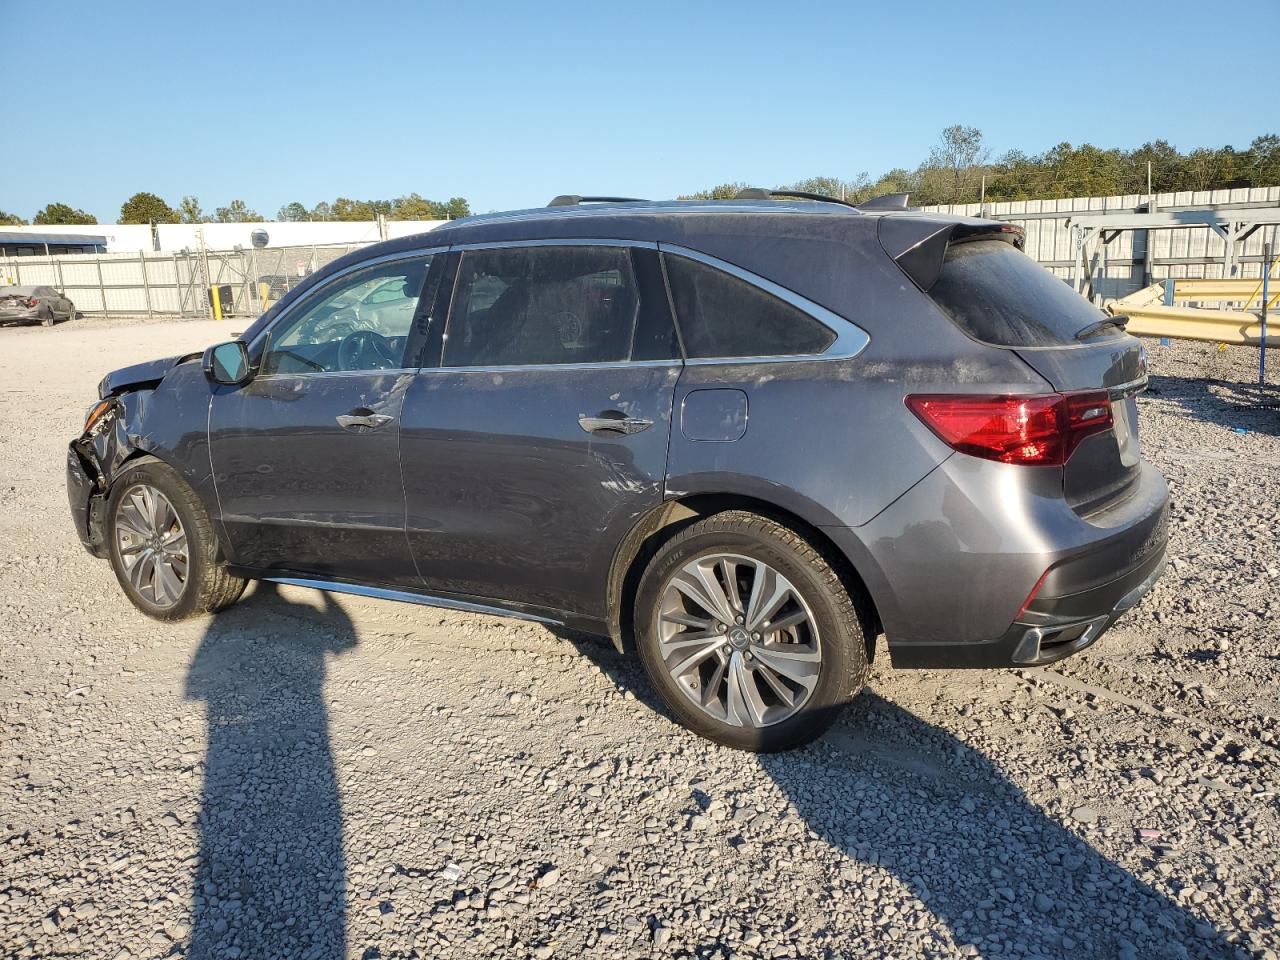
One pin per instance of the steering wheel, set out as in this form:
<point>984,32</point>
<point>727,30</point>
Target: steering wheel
<point>366,350</point>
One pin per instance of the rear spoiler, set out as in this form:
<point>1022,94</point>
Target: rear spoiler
<point>919,244</point>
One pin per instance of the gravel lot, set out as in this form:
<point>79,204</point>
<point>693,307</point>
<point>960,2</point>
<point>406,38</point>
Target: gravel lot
<point>331,777</point>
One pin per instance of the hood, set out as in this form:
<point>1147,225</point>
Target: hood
<point>140,375</point>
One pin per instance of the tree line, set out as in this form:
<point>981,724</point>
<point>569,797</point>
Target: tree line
<point>956,167</point>
<point>955,171</point>
<point>149,208</point>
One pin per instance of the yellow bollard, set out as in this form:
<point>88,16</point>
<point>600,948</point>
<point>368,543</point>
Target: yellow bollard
<point>216,299</point>
<point>264,290</point>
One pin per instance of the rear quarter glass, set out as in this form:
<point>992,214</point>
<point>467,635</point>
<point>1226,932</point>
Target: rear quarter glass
<point>999,295</point>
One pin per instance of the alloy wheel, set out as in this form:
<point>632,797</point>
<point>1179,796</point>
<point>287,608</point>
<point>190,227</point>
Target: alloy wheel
<point>739,640</point>
<point>152,545</point>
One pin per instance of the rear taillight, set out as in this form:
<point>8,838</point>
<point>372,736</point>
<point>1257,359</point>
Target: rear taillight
<point>32,302</point>
<point>1043,429</point>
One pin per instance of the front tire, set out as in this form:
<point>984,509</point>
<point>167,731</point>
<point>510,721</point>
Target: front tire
<point>162,545</point>
<point>749,634</point>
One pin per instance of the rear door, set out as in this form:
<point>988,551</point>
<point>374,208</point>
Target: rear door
<point>1002,297</point>
<point>541,437</point>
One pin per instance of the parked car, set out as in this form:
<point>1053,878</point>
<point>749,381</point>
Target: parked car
<point>34,305</point>
<point>742,439</point>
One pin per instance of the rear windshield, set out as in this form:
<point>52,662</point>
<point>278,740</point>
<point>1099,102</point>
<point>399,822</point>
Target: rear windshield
<point>1001,296</point>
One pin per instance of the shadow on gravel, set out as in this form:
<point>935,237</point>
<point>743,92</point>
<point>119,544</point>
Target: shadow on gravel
<point>885,787</point>
<point>1228,403</point>
<point>271,879</point>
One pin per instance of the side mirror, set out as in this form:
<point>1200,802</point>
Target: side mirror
<point>228,363</point>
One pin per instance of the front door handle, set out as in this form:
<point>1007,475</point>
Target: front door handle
<point>617,422</point>
<point>360,420</point>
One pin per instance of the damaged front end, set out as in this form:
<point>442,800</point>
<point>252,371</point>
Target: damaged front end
<point>91,459</point>
<point>157,408</point>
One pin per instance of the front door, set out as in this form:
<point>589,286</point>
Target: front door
<point>541,438</point>
<point>306,455</point>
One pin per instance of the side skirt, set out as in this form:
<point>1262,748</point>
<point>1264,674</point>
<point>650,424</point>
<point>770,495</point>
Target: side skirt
<point>403,596</point>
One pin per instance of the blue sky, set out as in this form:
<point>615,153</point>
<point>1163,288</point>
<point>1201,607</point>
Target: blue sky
<point>508,104</point>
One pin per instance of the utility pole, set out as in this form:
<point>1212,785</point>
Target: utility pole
<point>1148,256</point>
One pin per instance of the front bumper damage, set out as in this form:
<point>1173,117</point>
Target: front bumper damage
<point>91,457</point>
<point>88,502</point>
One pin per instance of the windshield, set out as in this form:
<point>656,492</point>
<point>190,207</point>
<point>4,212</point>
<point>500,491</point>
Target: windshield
<point>1001,296</point>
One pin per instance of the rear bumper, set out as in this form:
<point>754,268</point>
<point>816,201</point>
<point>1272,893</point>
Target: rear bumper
<point>26,316</point>
<point>1046,632</point>
<point>986,565</point>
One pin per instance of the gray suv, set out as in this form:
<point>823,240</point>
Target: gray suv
<point>740,438</point>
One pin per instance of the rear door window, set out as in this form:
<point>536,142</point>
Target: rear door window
<point>999,295</point>
<point>555,305</point>
<point>723,316</point>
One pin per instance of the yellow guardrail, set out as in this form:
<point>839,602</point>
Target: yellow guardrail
<point>1151,316</point>
<point>1190,323</point>
<point>1247,292</point>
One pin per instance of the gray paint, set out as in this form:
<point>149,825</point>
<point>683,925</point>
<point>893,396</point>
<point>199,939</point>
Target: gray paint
<point>485,488</point>
<point>714,415</point>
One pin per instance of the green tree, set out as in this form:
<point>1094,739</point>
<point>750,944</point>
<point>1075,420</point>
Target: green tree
<point>456,208</point>
<point>11,219</point>
<point>953,172</point>
<point>322,211</point>
<point>1261,162</point>
<point>897,180</point>
<point>415,207</point>
<point>295,212</point>
<point>189,210</point>
<point>346,209</point>
<point>723,191</point>
<point>56,213</point>
<point>237,212</point>
<point>148,208</point>
<point>954,169</point>
<point>1166,168</point>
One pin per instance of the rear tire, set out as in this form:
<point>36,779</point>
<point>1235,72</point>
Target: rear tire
<point>162,545</point>
<point>775,663</point>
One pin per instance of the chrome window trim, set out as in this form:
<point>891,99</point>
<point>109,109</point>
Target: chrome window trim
<point>850,339</point>
<point>587,365</point>
<point>382,372</point>
<point>556,242</point>
<point>284,317</point>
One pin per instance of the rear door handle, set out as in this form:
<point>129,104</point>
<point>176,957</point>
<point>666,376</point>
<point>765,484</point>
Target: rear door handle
<point>617,423</point>
<point>359,420</point>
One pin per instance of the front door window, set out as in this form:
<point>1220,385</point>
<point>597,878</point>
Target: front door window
<point>358,322</point>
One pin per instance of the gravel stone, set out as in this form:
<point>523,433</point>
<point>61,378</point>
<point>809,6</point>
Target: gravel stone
<point>319,776</point>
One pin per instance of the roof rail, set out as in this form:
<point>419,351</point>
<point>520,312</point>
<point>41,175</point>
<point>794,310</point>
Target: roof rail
<point>572,200</point>
<point>758,193</point>
<point>892,201</point>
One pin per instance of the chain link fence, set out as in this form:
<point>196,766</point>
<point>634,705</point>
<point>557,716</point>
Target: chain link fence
<point>173,284</point>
